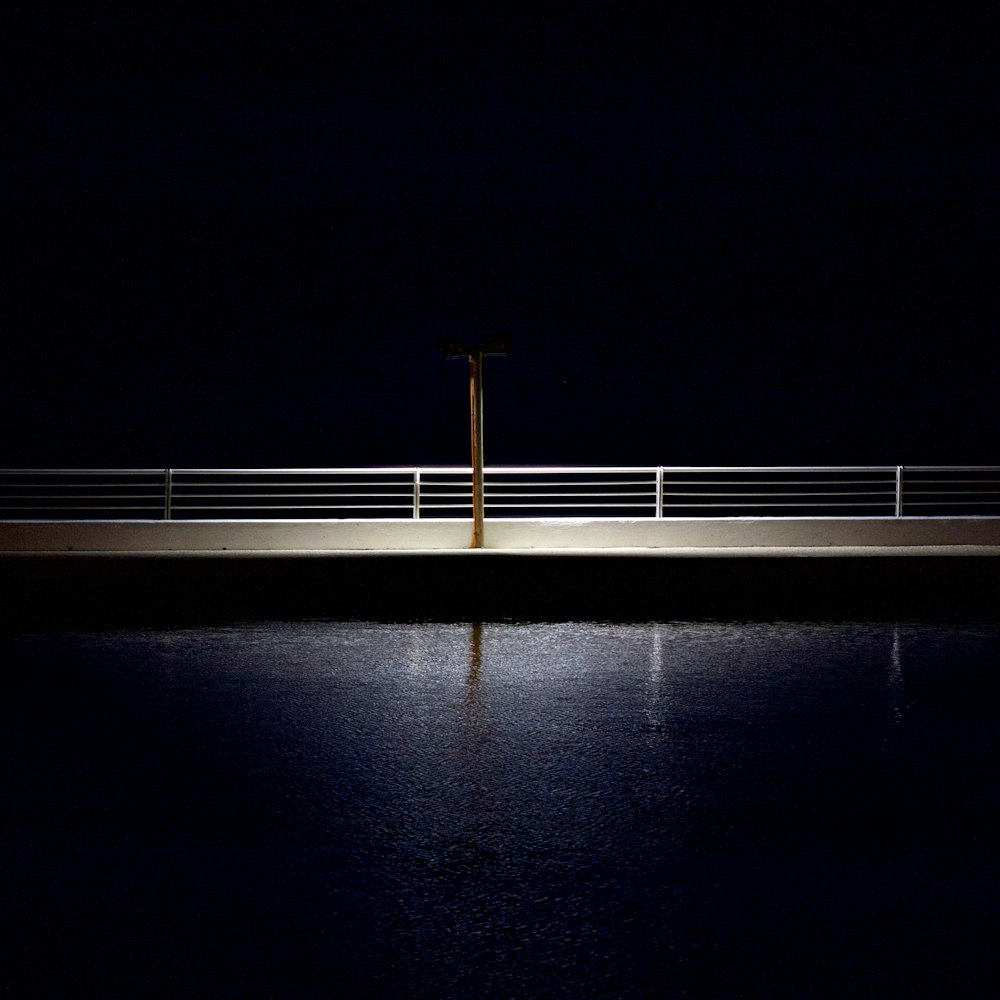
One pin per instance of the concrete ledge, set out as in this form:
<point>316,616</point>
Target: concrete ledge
<point>382,535</point>
<point>156,573</point>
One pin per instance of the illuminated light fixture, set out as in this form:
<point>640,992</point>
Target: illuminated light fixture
<point>496,346</point>
<point>451,348</point>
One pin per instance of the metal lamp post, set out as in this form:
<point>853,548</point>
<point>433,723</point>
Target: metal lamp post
<point>475,354</point>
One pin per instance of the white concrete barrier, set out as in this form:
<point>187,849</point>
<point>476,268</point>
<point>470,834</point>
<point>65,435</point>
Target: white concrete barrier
<point>743,532</point>
<point>391,535</point>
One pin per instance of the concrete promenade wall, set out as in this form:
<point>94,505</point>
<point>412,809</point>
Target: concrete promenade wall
<point>390,535</point>
<point>158,574</point>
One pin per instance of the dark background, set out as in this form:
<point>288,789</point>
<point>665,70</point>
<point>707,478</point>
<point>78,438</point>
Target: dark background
<point>712,240</point>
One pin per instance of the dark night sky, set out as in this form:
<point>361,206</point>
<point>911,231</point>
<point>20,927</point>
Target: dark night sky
<point>711,240</point>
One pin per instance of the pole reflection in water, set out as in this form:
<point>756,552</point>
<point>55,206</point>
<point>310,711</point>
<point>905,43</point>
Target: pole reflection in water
<point>473,694</point>
<point>897,683</point>
<point>455,810</point>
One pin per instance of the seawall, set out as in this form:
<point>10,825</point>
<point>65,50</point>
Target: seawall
<point>820,569</point>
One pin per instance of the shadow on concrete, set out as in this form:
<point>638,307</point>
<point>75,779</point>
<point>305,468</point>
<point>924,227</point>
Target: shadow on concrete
<point>106,590</point>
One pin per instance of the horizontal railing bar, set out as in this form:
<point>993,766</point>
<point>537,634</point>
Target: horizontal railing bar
<point>86,507</point>
<point>882,503</point>
<point>952,503</point>
<point>424,469</point>
<point>179,497</point>
<point>447,506</point>
<point>534,505</point>
<point>154,488</point>
<point>778,482</point>
<point>296,506</point>
<point>667,469</point>
<point>80,486</point>
<point>689,468</point>
<point>497,486</point>
<point>522,469</point>
<point>425,500</point>
<point>796,493</point>
<point>80,496</point>
<point>613,478</point>
<point>81,472</point>
<point>508,469</point>
<point>505,469</point>
<point>577,482</point>
<point>182,487</point>
<point>569,482</point>
<point>625,493</point>
<point>424,497</point>
<point>404,483</point>
<point>375,470</point>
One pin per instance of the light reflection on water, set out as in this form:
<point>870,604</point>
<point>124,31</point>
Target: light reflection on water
<point>576,809</point>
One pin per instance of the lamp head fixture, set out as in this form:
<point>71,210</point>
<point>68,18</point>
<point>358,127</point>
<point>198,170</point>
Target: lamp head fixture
<point>451,347</point>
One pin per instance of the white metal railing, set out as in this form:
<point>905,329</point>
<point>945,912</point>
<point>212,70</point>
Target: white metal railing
<point>510,491</point>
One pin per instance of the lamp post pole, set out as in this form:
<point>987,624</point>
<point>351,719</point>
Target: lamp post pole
<point>475,353</point>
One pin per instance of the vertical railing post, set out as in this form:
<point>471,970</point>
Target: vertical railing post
<point>659,491</point>
<point>476,393</point>
<point>416,494</point>
<point>168,494</point>
<point>899,491</point>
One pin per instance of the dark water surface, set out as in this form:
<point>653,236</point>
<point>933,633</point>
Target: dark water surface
<point>578,810</point>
